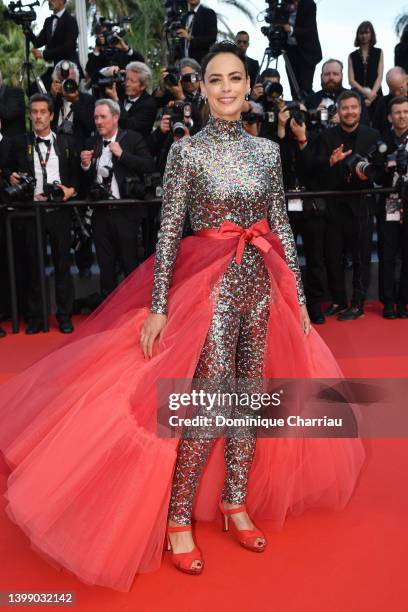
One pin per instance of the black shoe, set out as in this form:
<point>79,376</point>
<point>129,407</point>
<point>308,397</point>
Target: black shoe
<point>65,326</point>
<point>2,332</point>
<point>389,312</point>
<point>402,311</point>
<point>34,327</point>
<point>316,316</point>
<point>335,309</point>
<point>352,313</point>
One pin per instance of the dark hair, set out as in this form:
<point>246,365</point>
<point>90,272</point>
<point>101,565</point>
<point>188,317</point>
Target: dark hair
<point>346,95</point>
<point>366,25</point>
<point>225,46</point>
<point>39,97</point>
<point>271,73</point>
<point>331,60</point>
<point>242,32</point>
<point>396,101</point>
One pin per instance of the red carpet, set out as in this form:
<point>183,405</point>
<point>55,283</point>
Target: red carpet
<point>349,561</point>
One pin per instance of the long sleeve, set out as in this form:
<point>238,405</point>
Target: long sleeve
<point>177,186</point>
<point>279,222</point>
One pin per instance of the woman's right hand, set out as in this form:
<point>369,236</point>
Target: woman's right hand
<point>152,328</point>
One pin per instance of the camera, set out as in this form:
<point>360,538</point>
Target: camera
<point>174,12</point>
<point>180,116</point>
<point>267,117</point>
<point>272,89</point>
<point>107,82</point>
<point>320,117</point>
<point>53,192</point>
<point>23,191</point>
<point>295,112</point>
<point>399,162</point>
<point>173,77</point>
<point>371,165</point>
<point>15,12</point>
<point>69,86</point>
<point>99,191</point>
<point>112,32</point>
<point>191,77</point>
<point>276,15</point>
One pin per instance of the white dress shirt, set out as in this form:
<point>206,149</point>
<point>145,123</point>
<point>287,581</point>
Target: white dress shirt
<point>52,167</point>
<point>106,160</point>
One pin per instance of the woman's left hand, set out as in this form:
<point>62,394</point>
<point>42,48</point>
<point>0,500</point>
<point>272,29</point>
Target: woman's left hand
<point>304,320</point>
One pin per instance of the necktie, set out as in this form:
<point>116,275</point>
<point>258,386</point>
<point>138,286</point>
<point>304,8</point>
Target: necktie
<point>106,142</point>
<point>54,24</point>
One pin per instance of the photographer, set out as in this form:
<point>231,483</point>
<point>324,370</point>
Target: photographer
<point>115,161</point>
<point>350,219</point>
<point>59,37</point>
<point>52,163</point>
<point>242,41</point>
<point>12,109</point>
<point>397,81</point>
<point>302,44</point>
<point>268,92</point>
<point>199,30</point>
<point>138,109</point>
<point>332,87</point>
<point>181,83</point>
<point>307,216</point>
<point>110,50</point>
<point>393,216</point>
<point>73,110</point>
<point>175,124</point>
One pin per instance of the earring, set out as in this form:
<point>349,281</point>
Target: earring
<point>247,96</point>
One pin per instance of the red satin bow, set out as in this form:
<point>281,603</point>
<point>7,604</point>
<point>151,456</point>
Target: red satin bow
<point>253,235</point>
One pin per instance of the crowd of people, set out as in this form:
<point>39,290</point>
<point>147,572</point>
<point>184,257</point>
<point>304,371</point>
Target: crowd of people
<point>101,134</point>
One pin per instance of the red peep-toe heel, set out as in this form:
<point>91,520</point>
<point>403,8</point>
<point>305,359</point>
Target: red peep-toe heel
<point>246,537</point>
<point>184,561</point>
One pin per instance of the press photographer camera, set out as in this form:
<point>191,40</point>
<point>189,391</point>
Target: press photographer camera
<point>371,165</point>
<point>320,118</point>
<point>180,117</point>
<point>23,190</point>
<point>110,48</point>
<point>16,12</point>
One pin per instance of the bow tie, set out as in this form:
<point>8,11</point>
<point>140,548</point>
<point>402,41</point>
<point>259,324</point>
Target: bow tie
<point>331,95</point>
<point>44,140</point>
<point>106,142</point>
<point>130,100</point>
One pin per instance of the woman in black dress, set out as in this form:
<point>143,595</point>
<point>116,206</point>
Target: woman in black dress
<point>366,66</point>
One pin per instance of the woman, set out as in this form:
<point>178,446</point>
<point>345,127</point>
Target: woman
<point>79,428</point>
<point>366,66</point>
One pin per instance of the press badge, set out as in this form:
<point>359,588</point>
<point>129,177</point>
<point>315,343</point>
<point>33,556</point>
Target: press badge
<point>295,205</point>
<point>392,208</point>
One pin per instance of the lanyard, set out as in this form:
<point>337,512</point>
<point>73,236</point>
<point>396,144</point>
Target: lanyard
<point>43,162</point>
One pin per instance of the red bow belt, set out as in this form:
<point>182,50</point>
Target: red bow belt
<point>252,235</point>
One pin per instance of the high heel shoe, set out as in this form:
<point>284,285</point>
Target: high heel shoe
<point>183,561</point>
<point>246,537</point>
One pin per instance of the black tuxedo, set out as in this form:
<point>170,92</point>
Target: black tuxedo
<point>82,117</point>
<point>12,110</point>
<point>349,220</point>
<point>204,32</point>
<point>116,228</point>
<point>313,101</point>
<point>58,46</point>
<point>141,115</point>
<point>253,67</point>
<point>307,53</point>
<point>56,223</point>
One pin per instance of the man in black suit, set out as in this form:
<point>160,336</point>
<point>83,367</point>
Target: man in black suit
<point>199,30</point>
<point>111,157</point>
<point>303,45</point>
<point>397,81</point>
<point>49,159</point>
<point>12,109</point>
<point>138,109</point>
<point>59,37</point>
<point>332,86</point>
<point>349,220</point>
<point>242,40</point>
<point>73,110</point>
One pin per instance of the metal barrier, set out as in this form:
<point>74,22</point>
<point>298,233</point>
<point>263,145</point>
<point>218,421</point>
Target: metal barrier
<point>150,207</point>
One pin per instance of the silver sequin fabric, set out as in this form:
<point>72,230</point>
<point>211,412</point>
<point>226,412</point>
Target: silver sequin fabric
<point>221,173</point>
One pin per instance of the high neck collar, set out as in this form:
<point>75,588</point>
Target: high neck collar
<point>223,128</point>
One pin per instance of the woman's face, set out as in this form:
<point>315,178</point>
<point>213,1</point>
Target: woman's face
<point>225,85</point>
<point>364,36</point>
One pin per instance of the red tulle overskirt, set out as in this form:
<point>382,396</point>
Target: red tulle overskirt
<point>90,480</point>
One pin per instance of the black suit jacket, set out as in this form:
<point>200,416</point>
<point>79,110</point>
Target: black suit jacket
<point>141,115</point>
<point>135,159</point>
<point>23,153</point>
<point>306,34</point>
<point>12,110</point>
<point>313,101</point>
<point>5,159</point>
<point>83,118</point>
<point>60,45</point>
<point>204,32</point>
<point>253,67</point>
<point>333,178</point>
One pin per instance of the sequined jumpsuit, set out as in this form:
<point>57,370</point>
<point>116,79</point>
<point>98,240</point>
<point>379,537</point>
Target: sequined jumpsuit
<point>222,173</point>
